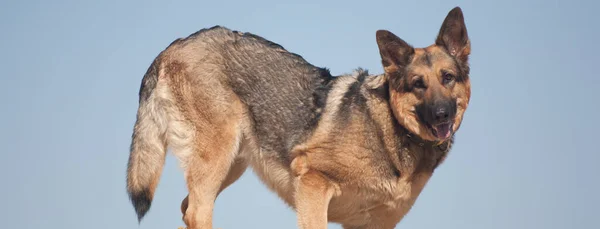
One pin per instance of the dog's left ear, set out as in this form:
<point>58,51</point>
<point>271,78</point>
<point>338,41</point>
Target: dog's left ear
<point>453,35</point>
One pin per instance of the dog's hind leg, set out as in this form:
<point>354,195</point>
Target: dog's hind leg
<point>205,133</point>
<point>206,170</point>
<point>237,170</point>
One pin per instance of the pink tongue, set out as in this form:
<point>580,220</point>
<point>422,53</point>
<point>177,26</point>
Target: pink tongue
<point>442,131</point>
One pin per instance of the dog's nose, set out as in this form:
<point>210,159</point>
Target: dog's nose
<point>442,113</point>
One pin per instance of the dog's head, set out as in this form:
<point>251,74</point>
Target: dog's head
<point>429,87</point>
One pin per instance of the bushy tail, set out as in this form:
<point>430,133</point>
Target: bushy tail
<point>148,146</point>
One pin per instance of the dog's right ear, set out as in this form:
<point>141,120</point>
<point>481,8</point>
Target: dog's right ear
<point>395,53</point>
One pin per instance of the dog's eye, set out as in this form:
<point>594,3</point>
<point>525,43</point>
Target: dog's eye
<point>448,78</point>
<point>419,83</point>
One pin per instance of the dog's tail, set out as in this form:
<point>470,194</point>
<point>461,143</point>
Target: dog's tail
<point>149,144</point>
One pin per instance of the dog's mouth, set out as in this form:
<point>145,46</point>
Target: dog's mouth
<point>442,131</point>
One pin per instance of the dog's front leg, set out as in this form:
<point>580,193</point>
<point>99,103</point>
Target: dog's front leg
<point>313,191</point>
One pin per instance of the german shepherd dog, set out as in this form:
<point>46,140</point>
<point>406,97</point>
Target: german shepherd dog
<point>355,149</point>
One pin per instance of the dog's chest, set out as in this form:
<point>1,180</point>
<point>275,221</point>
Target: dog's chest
<point>384,200</point>
<point>376,184</point>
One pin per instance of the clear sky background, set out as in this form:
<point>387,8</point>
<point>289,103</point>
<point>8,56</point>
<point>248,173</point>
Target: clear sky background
<point>526,155</point>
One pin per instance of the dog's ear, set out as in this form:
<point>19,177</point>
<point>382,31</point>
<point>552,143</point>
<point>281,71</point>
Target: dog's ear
<point>453,35</point>
<point>395,53</point>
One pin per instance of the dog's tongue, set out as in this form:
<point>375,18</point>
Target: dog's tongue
<point>442,131</point>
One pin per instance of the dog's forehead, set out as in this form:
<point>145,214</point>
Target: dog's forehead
<point>432,58</point>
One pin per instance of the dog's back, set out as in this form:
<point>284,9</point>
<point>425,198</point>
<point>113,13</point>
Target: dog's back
<point>284,93</point>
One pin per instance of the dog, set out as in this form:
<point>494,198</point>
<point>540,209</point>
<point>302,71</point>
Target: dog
<point>355,149</point>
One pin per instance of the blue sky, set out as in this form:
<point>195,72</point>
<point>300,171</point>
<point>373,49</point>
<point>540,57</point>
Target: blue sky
<point>525,157</point>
